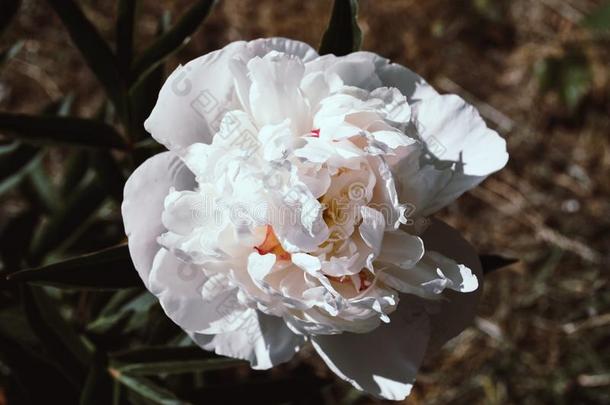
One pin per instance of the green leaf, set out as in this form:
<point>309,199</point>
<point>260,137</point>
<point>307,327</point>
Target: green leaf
<point>126,10</point>
<point>10,52</point>
<point>146,389</point>
<point>108,269</point>
<point>44,192</point>
<point>144,92</point>
<point>16,237</point>
<point>75,169</point>
<point>63,130</point>
<point>111,324</point>
<point>14,325</point>
<point>576,82</point>
<point>173,38</point>
<point>570,76</point>
<point>306,387</point>
<point>16,161</point>
<point>95,50</point>
<point>109,173</point>
<point>599,19</point>
<point>490,263</point>
<point>74,212</point>
<point>98,386</point>
<point>169,360</point>
<point>61,342</point>
<point>36,376</point>
<point>8,10</point>
<point>343,34</point>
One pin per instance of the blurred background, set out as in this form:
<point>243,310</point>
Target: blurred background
<point>538,71</point>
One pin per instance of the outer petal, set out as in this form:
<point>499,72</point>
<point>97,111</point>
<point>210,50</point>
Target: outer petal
<point>189,298</point>
<point>369,71</point>
<point>458,310</point>
<point>454,132</point>
<point>263,340</point>
<point>195,97</point>
<point>460,135</point>
<point>143,198</point>
<point>385,361</point>
<point>290,46</point>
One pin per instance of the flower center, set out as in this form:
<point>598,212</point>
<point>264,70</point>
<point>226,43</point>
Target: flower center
<point>272,245</point>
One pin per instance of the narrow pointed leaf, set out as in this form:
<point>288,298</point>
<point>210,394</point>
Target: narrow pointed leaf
<point>63,130</point>
<point>109,173</point>
<point>35,376</point>
<point>173,38</point>
<point>92,46</point>
<point>126,10</point>
<point>8,10</point>
<point>75,212</point>
<point>111,324</point>
<point>146,389</point>
<point>75,169</point>
<point>43,190</point>
<point>343,34</point>
<point>495,262</point>
<point>98,386</point>
<point>143,93</point>
<point>61,342</point>
<point>16,237</point>
<point>10,52</point>
<point>306,387</point>
<point>166,360</point>
<point>16,160</point>
<point>104,270</point>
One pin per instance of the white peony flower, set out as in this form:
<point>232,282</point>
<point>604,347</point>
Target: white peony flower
<point>289,208</point>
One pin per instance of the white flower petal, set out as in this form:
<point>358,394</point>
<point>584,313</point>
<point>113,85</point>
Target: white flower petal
<point>401,249</point>
<point>453,131</point>
<point>263,340</point>
<point>188,97</point>
<point>259,266</point>
<point>395,105</point>
<point>372,230</point>
<point>383,362</point>
<point>457,310</point>
<point>181,289</point>
<point>410,84</point>
<point>299,49</point>
<point>142,206</point>
<point>460,134</point>
<point>274,93</point>
<point>308,263</point>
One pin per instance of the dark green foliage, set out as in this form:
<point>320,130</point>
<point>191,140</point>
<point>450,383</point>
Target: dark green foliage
<point>173,38</point>
<point>599,19</point>
<point>78,324</point>
<point>95,50</point>
<point>62,130</point>
<point>8,9</point>
<point>494,262</point>
<point>107,269</point>
<point>568,76</point>
<point>343,34</point>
